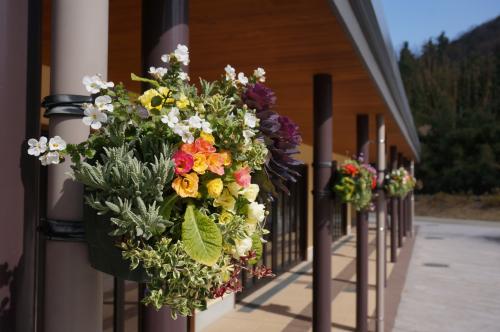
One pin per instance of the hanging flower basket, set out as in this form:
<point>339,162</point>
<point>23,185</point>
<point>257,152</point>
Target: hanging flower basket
<point>176,181</point>
<point>354,183</point>
<point>399,182</point>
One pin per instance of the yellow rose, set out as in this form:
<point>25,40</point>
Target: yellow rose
<point>200,164</point>
<point>183,102</point>
<point>146,97</point>
<point>250,192</point>
<point>187,185</point>
<point>164,91</point>
<point>234,188</point>
<point>225,200</point>
<point>215,187</point>
<point>225,217</point>
<point>207,137</point>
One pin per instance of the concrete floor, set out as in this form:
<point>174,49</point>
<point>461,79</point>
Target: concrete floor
<point>285,304</point>
<point>453,282</point>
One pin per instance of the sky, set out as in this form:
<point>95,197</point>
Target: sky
<point>416,21</point>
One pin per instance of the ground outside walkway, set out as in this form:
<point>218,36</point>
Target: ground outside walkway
<point>285,304</point>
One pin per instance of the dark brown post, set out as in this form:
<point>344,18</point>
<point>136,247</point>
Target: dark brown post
<point>401,216</point>
<point>165,24</point>
<point>412,199</point>
<point>394,209</point>
<point>19,183</point>
<point>362,130</point>
<point>322,236</point>
<point>381,222</point>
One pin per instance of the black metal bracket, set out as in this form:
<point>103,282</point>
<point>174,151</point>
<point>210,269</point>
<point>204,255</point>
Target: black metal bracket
<point>63,104</point>
<point>62,230</point>
<point>322,164</point>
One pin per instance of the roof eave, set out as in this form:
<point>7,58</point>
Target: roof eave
<point>366,28</point>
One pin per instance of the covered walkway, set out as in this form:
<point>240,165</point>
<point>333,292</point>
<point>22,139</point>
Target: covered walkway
<point>285,304</point>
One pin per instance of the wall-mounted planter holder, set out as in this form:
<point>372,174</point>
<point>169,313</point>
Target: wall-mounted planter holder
<point>104,253</point>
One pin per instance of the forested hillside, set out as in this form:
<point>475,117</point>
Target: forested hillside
<point>454,91</point>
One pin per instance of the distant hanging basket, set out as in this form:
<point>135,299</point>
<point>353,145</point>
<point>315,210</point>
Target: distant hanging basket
<point>354,183</point>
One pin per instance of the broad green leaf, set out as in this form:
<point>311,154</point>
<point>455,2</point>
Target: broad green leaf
<point>201,237</point>
<point>167,205</point>
<point>136,78</point>
<point>257,247</point>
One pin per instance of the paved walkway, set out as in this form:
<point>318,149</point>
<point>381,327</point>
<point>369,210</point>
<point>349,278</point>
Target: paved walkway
<point>453,283</point>
<point>285,304</point>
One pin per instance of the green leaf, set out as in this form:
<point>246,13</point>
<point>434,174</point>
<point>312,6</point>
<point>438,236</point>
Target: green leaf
<point>201,237</point>
<point>257,247</point>
<point>167,205</point>
<point>136,78</point>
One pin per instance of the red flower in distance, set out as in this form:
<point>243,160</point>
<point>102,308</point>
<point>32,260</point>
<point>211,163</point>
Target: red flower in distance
<point>183,162</point>
<point>351,169</point>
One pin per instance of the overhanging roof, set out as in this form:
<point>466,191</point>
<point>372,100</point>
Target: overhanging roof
<point>364,22</point>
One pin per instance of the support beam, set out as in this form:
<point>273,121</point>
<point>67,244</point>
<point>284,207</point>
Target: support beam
<point>165,24</point>
<point>394,209</point>
<point>401,217</point>
<point>381,222</point>
<point>362,131</point>
<point>322,235</point>
<point>412,203</point>
<point>73,289</point>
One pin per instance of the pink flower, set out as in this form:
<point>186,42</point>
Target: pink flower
<point>242,176</point>
<point>183,162</point>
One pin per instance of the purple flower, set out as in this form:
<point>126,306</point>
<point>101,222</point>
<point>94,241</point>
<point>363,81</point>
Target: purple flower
<point>289,130</point>
<point>259,97</point>
<point>280,134</point>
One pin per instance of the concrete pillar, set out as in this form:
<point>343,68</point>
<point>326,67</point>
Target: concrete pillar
<point>362,131</point>
<point>322,236</point>
<point>394,210</point>
<point>73,290</point>
<point>381,222</point>
<point>165,24</point>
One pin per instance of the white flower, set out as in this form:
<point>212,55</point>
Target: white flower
<point>172,118</point>
<point>56,143</point>
<point>183,76</point>
<point>256,212</point>
<point>230,73</point>
<point>94,83</point>
<point>49,158</point>
<point>248,134</point>
<point>205,126</point>
<point>184,132</point>
<point>242,247</point>
<point>259,74</point>
<point>158,72</point>
<point>165,58</point>
<point>195,121</point>
<point>250,192</point>
<point>94,117</point>
<point>242,78</point>
<point>104,103</point>
<point>250,120</point>
<point>182,54</point>
<point>37,147</point>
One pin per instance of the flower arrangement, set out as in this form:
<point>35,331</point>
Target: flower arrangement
<point>181,175</point>
<point>399,182</point>
<point>354,183</point>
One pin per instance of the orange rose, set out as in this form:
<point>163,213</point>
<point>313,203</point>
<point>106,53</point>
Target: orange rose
<point>216,163</point>
<point>203,146</point>
<point>187,185</point>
